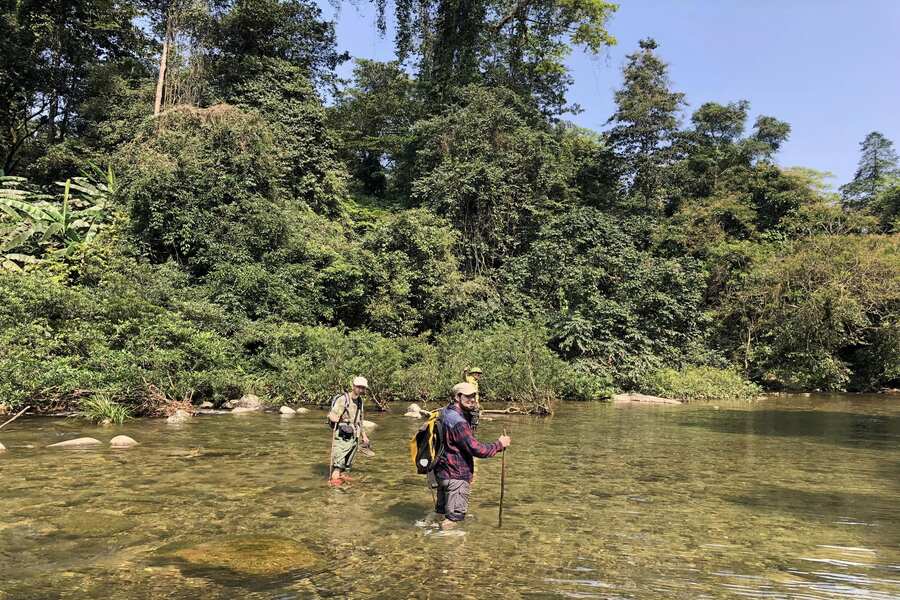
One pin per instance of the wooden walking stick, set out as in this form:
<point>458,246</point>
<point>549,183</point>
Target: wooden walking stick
<point>19,414</point>
<point>502,484</point>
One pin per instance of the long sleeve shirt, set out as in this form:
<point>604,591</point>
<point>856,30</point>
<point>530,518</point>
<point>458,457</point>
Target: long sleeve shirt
<point>460,446</point>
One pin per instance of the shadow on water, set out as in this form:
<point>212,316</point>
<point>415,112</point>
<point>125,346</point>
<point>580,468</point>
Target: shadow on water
<point>840,428</point>
<point>406,512</point>
<point>835,506</point>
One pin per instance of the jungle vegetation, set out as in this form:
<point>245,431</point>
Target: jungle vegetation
<point>194,206</point>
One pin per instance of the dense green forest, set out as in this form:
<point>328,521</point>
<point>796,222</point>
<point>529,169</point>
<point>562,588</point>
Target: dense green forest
<point>194,206</point>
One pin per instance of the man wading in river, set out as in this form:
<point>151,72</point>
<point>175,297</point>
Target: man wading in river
<point>346,420</point>
<point>454,469</point>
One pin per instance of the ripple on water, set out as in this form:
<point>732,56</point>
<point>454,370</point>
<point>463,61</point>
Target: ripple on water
<point>769,501</point>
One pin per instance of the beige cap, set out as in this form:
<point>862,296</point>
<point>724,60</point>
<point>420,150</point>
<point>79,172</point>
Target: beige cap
<point>463,388</point>
<point>361,382</point>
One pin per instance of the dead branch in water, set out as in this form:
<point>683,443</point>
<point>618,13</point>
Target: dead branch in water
<point>19,414</point>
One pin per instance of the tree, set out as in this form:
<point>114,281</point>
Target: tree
<point>877,163</point>
<point>49,51</point>
<point>286,30</point>
<point>374,117</point>
<point>518,44</point>
<point>491,167</point>
<point>278,91</point>
<point>645,125</point>
<point>608,299</point>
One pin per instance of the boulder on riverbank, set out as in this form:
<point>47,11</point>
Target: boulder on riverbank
<point>180,416</point>
<point>301,410</point>
<point>76,443</point>
<point>414,411</point>
<point>122,441</point>
<point>643,399</point>
<point>237,410</point>
<point>250,401</point>
<point>287,411</point>
<point>206,405</point>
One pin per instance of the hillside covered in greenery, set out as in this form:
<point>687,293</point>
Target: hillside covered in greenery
<point>194,206</point>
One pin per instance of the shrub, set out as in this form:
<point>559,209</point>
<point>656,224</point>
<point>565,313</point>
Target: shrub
<point>202,188</point>
<point>59,344</point>
<point>700,384</point>
<point>821,314</point>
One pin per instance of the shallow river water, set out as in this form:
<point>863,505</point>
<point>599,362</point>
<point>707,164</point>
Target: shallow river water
<point>795,497</point>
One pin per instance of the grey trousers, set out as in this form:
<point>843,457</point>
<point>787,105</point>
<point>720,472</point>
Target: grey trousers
<point>452,499</point>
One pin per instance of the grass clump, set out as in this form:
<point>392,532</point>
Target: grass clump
<point>100,408</point>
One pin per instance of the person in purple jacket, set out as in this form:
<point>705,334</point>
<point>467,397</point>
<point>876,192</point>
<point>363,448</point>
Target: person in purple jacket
<point>454,469</point>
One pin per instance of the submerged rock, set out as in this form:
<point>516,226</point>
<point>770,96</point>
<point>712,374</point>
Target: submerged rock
<point>180,416</point>
<point>254,556</point>
<point>643,398</point>
<point>77,442</point>
<point>122,441</point>
<point>287,410</point>
<point>2,448</point>
<point>369,424</point>
<point>93,524</point>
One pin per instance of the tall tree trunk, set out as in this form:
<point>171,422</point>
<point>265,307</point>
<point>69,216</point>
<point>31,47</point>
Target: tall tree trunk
<point>53,110</point>
<point>160,83</point>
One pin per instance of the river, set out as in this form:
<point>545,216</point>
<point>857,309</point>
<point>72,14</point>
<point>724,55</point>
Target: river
<point>790,497</point>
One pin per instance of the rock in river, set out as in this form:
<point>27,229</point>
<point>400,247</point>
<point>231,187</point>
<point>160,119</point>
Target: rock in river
<point>180,416</point>
<point>122,441</point>
<point>369,424</point>
<point>77,524</point>
<point>414,411</point>
<point>287,410</point>
<point>250,401</point>
<point>246,556</point>
<point>2,448</point>
<point>206,405</point>
<point>642,398</point>
<point>76,443</point>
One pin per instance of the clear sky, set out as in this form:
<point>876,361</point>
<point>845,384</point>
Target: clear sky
<point>830,68</point>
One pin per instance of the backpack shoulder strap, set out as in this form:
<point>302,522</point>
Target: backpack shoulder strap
<point>346,398</point>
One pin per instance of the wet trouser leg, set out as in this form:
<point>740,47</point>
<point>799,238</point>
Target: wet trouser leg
<point>344,453</point>
<point>452,499</point>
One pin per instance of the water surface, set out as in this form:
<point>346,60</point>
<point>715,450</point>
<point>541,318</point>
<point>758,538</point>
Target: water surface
<point>795,497</point>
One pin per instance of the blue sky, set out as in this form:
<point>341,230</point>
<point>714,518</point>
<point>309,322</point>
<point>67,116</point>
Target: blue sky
<point>828,67</point>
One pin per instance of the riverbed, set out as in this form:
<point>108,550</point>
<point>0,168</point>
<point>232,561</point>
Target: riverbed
<point>790,497</point>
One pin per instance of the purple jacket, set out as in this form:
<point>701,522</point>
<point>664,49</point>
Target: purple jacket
<point>460,446</point>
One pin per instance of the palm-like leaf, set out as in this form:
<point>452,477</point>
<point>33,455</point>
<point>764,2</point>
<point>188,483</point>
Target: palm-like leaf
<point>56,226</point>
